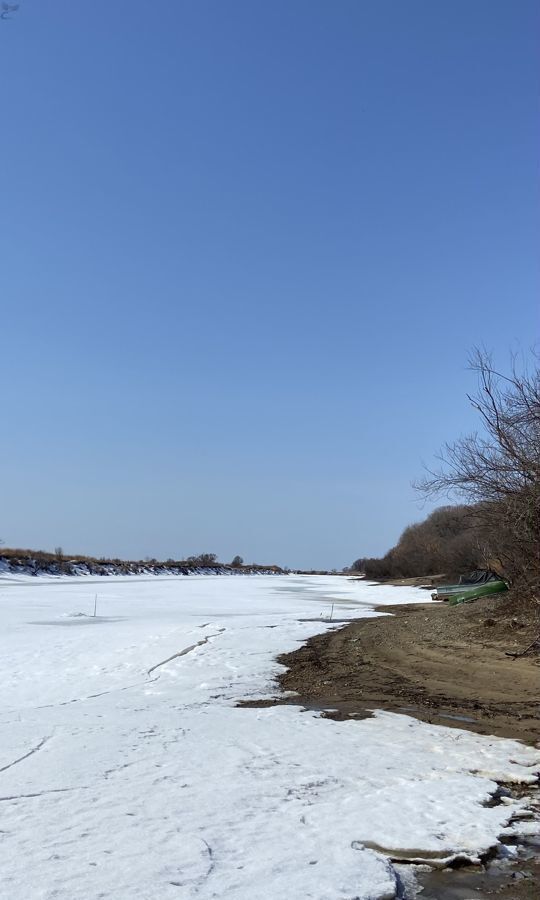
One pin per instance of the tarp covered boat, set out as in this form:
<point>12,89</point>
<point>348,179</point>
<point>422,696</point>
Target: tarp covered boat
<point>480,576</point>
<point>478,584</point>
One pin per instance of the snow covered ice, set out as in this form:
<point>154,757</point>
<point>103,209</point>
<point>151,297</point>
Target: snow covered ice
<point>127,771</point>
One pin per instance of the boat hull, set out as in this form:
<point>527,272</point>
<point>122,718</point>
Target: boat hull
<point>460,593</point>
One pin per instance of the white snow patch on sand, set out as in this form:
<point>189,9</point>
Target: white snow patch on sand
<point>126,771</point>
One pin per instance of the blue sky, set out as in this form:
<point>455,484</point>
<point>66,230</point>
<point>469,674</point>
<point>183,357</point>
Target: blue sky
<point>246,250</point>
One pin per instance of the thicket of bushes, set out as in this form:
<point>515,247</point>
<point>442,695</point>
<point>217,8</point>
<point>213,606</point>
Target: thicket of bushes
<point>496,472</point>
<point>449,541</point>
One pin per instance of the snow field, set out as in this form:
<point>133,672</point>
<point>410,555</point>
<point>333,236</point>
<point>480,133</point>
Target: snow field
<point>127,772</point>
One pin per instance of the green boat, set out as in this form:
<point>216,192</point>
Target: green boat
<point>462,593</point>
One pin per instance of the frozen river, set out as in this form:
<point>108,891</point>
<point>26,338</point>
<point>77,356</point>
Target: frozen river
<point>128,773</point>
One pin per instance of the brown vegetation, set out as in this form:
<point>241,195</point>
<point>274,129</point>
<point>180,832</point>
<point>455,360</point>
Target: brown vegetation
<point>499,470</point>
<point>449,541</point>
<point>496,475</point>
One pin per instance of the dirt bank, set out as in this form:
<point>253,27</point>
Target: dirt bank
<point>431,660</point>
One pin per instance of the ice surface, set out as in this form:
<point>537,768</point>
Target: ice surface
<point>127,772</point>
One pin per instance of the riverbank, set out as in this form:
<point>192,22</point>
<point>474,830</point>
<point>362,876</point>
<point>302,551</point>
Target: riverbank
<point>38,563</point>
<point>445,665</point>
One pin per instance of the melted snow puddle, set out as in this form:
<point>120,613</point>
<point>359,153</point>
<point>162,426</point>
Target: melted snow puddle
<point>454,717</point>
<point>509,875</point>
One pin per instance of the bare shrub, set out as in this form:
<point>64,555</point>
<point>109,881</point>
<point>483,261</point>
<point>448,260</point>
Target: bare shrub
<point>498,469</point>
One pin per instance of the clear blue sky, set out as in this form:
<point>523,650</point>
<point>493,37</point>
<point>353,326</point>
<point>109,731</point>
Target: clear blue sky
<point>246,249</point>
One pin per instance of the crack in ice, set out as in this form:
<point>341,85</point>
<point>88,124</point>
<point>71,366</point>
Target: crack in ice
<point>31,752</point>
<point>185,651</point>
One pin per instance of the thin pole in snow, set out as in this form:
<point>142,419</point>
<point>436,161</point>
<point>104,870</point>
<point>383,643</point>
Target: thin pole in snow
<point>332,612</point>
<point>95,606</point>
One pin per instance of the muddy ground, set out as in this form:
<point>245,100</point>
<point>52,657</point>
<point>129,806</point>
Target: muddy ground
<point>435,661</point>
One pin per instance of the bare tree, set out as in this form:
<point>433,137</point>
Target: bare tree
<point>203,560</point>
<point>498,469</point>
